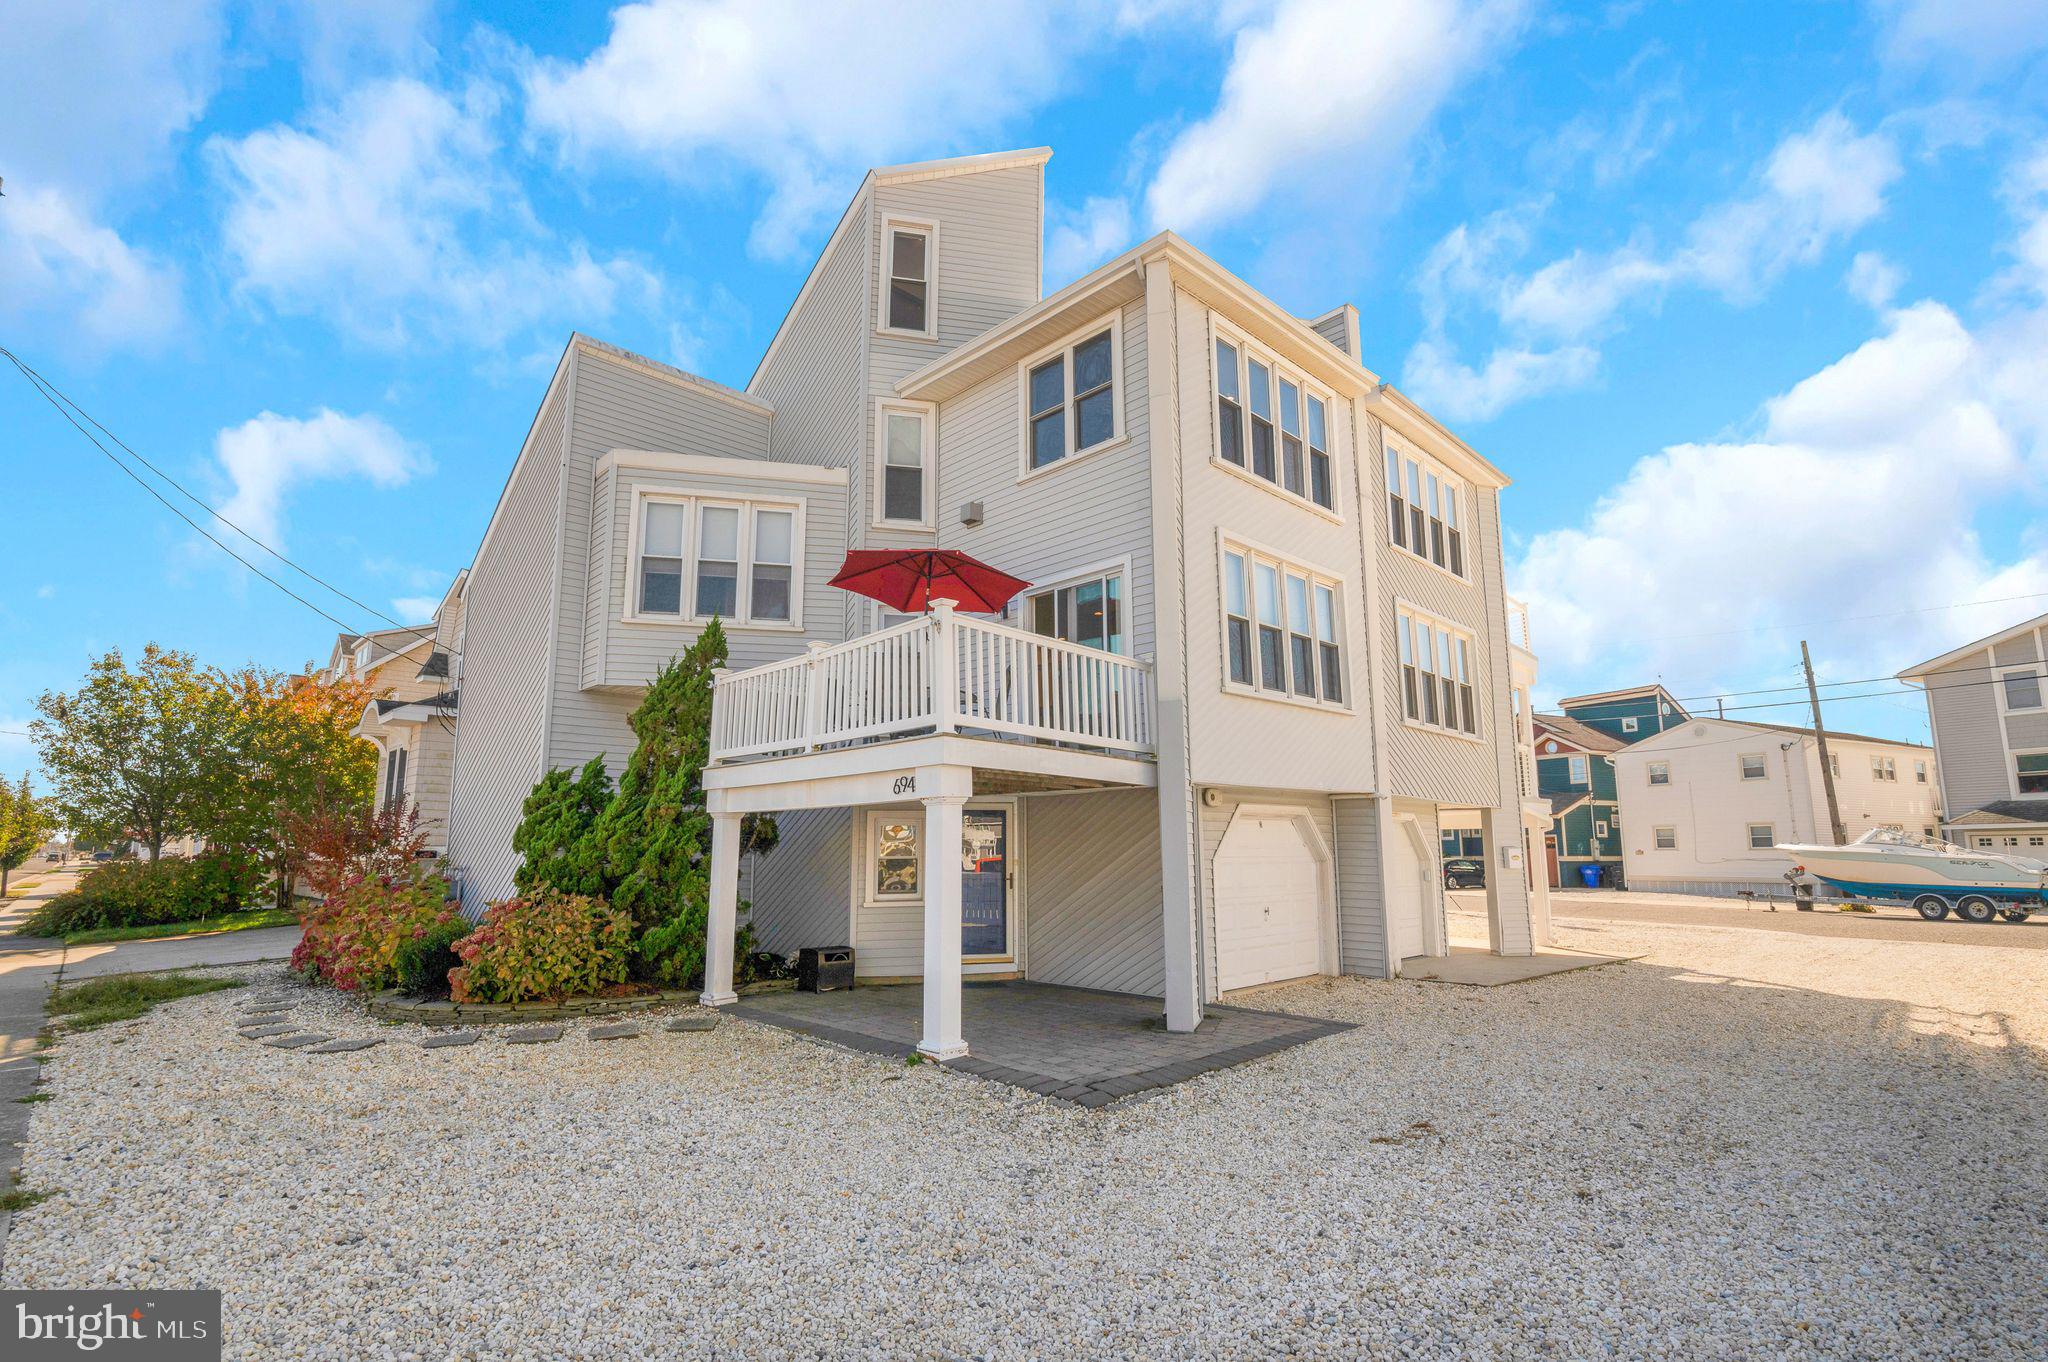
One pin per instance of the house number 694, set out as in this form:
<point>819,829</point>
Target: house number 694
<point>904,785</point>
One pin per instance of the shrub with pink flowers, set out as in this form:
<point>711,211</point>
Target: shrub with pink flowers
<point>352,939</point>
<point>543,944</point>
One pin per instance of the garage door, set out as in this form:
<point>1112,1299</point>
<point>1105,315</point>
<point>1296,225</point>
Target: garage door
<point>1405,901</point>
<point>1268,903</point>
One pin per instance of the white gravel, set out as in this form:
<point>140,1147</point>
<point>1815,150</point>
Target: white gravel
<point>1743,1146</point>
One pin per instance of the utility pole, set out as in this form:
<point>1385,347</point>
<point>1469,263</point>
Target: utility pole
<point>1820,736</point>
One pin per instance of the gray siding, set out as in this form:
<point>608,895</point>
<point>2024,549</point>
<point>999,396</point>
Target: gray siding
<point>1970,740</point>
<point>1095,918</point>
<point>1361,888</point>
<point>499,734</point>
<point>800,890</point>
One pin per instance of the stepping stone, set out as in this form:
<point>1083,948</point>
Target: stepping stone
<point>337,1047</point>
<point>266,1011</point>
<point>259,1032</point>
<point>270,998</point>
<point>695,1022</point>
<point>533,1035</point>
<point>435,1042</point>
<point>294,1042</point>
<point>616,1031</point>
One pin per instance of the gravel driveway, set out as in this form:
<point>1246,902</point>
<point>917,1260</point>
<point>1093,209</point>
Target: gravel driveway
<point>1748,1144</point>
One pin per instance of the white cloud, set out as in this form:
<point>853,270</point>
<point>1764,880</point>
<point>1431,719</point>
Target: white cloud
<point>389,216</point>
<point>1873,280</point>
<point>802,95</point>
<point>415,609</point>
<point>1973,37</point>
<point>56,260</point>
<point>1077,240</point>
<point>268,455</point>
<point>1817,187</point>
<point>1323,83</point>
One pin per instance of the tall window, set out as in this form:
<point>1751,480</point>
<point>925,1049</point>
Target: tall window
<point>1920,773</point>
<point>1281,625</point>
<point>1425,510</point>
<point>1439,682</point>
<point>1271,422</point>
<point>910,281</point>
<point>1577,771</point>
<point>1088,612</point>
<point>661,557</point>
<point>2022,689</point>
<point>394,778</point>
<point>904,466</point>
<point>698,557</point>
<point>1229,406</point>
<point>1071,402</point>
<point>895,841</point>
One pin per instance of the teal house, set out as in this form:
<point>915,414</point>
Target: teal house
<point>1574,773</point>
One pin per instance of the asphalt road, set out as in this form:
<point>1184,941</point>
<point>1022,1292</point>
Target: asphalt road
<point>1891,922</point>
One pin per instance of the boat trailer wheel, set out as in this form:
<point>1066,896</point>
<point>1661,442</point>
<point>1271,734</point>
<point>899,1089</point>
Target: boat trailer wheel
<point>1933,907</point>
<point>2013,914</point>
<point>1976,908</point>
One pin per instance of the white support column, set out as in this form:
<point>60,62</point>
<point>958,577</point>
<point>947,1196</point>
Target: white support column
<point>725,910</point>
<point>1509,930</point>
<point>943,819</point>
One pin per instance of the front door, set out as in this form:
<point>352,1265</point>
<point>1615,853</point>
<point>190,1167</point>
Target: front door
<point>985,883</point>
<point>1550,856</point>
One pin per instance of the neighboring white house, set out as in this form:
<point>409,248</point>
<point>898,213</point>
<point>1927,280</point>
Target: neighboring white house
<point>1704,804</point>
<point>1987,703</point>
<point>1264,648</point>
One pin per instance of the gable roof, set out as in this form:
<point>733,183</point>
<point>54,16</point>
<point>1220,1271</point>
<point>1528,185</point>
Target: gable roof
<point>1656,741</point>
<point>1570,731</point>
<point>1933,664</point>
<point>1565,801</point>
<point>2002,811</point>
<point>1626,693</point>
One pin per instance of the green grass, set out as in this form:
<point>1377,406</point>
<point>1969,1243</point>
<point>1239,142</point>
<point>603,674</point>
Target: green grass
<point>124,997</point>
<point>20,1199</point>
<point>33,1098</point>
<point>209,926</point>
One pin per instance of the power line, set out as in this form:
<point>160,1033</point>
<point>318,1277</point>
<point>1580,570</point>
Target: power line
<point>1858,681</point>
<point>64,406</point>
<point>1844,619</point>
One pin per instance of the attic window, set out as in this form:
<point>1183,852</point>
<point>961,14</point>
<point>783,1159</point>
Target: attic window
<point>907,306</point>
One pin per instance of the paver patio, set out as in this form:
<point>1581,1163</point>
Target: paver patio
<point>1076,1044</point>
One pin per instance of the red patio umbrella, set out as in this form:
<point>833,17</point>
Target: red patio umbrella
<point>911,579</point>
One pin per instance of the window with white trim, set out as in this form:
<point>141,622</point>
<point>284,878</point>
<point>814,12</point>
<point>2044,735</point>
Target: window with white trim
<point>895,864</point>
<point>1630,724</point>
<point>2031,772</point>
<point>1072,401</point>
<point>1281,624</point>
<point>1762,836</point>
<point>1425,509</point>
<point>2022,688</point>
<point>1667,839</point>
<point>1660,773</point>
<point>1919,773</point>
<point>1437,679</point>
<point>1884,768</point>
<point>907,306</point>
<point>1599,827</point>
<point>1089,612</point>
<point>695,557</point>
<point>903,465</point>
<point>1272,423</point>
<point>1577,770</point>
<point>1753,766</point>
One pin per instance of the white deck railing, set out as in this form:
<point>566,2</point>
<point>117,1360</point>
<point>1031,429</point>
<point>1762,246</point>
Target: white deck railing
<point>940,673</point>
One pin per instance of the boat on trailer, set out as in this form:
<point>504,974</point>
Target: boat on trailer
<point>1936,877</point>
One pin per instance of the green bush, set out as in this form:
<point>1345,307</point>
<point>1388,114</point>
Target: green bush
<point>542,945</point>
<point>146,893</point>
<point>353,938</point>
<point>422,963</point>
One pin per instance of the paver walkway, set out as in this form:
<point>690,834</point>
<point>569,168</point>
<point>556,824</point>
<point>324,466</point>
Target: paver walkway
<point>30,965</point>
<point>1075,1044</point>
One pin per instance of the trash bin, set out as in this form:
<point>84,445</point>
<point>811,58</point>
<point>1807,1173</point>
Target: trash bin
<point>1589,874</point>
<point>820,969</point>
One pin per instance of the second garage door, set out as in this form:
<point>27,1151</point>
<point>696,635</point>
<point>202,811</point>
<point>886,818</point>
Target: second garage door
<point>1268,903</point>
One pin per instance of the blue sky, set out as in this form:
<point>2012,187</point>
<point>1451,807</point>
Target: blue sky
<point>1750,300</point>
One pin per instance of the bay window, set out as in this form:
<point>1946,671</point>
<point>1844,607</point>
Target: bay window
<point>694,556</point>
<point>1425,510</point>
<point>1072,401</point>
<point>1438,678</point>
<point>1272,424</point>
<point>1281,628</point>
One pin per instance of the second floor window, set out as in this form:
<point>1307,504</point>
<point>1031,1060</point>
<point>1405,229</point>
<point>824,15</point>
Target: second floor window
<point>1425,510</point>
<point>1088,612</point>
<point>2031,769</point>
<point>1753,766</point>
<point>1920,772</point>
<point>1660,773</point>
<point>903,466</point>
<point>1578,770</point>
<point>1272,424</point>
<point>909,305</point>
<point>698,558</point>
<point>2022,689</point>
<point>1437,681</point>
<point>1071,402</point>
<point>1884,768</point>
<point>1281,634</point>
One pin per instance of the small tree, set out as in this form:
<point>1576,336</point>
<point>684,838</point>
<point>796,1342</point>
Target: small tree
<point>25,822</point>
<point>132,754</point>
<point>553,839</point>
